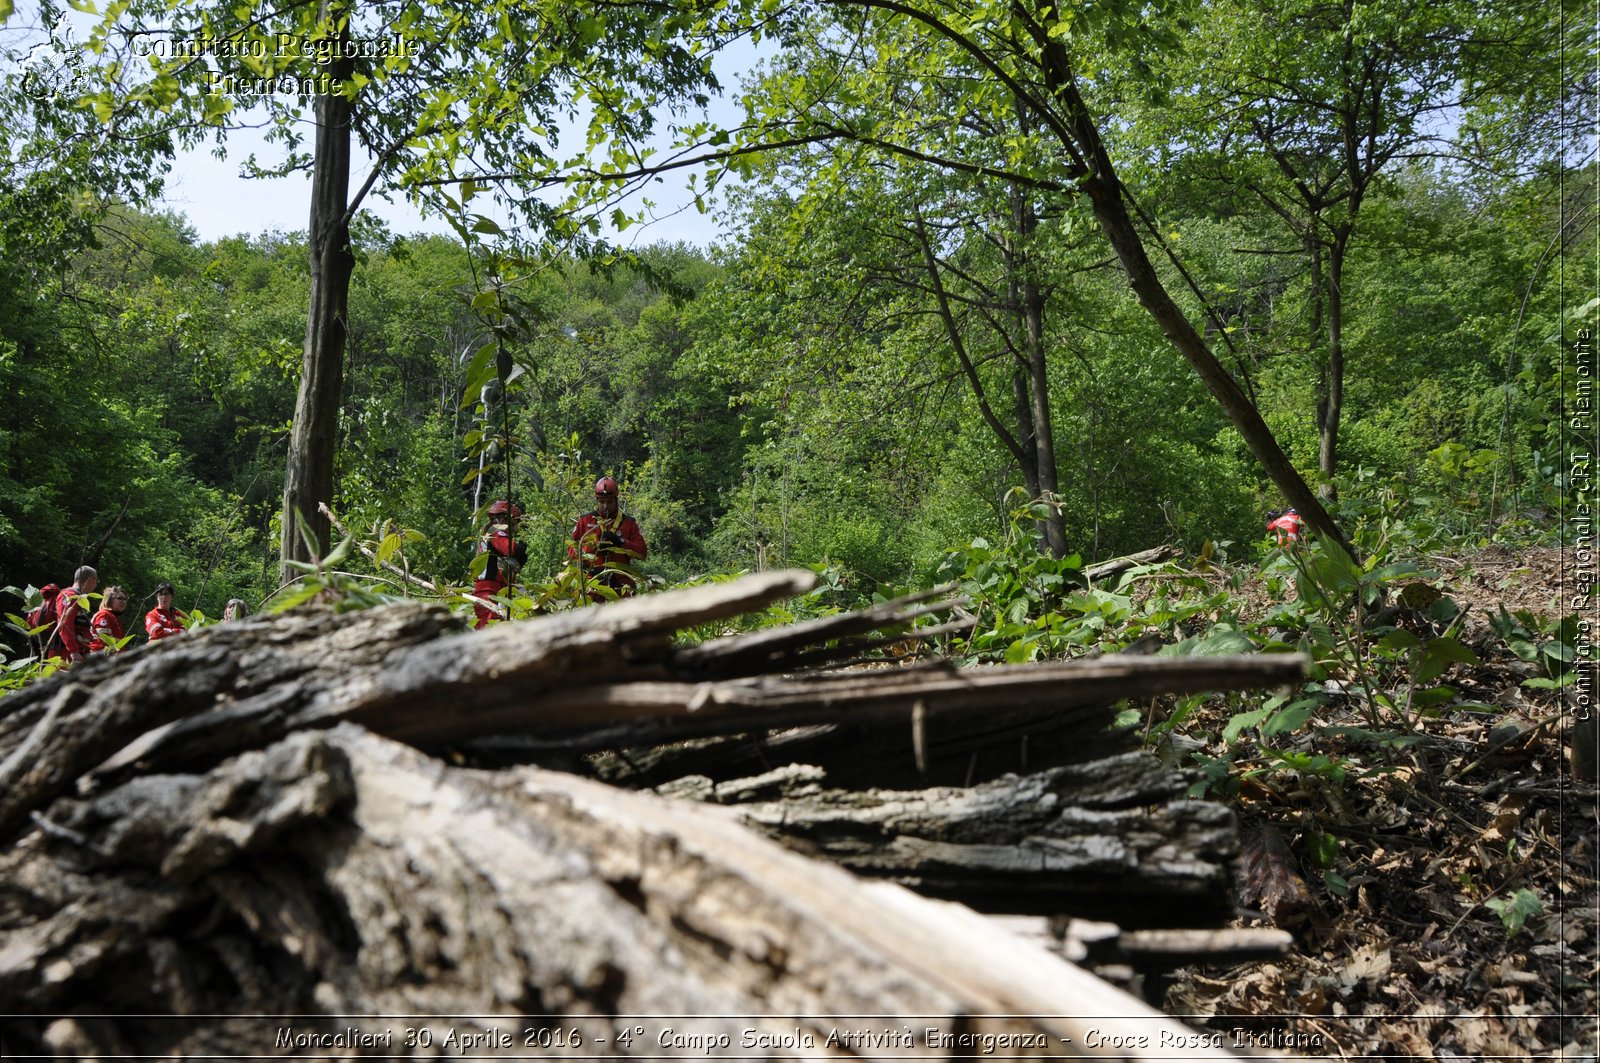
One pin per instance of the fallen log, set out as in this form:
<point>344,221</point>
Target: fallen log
<point>908,727</point>
<point>342,875</point>
<point>240,686</point>
<point>248,835</point>
<point>1108,840</point>
<point>1116,566</point>
<point>825,640</point>
<point>589,686</point>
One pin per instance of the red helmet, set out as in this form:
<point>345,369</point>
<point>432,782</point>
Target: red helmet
<point>605,486</point>
<point>500,507</point>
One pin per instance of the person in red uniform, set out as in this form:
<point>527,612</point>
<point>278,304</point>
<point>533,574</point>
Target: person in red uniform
<point>107,621</point>
<point>71,639</point>
<point>43,615</point>
<point>505,558</point>
<point>165,620</point>
<point>1289,528</point>
<point>608,541</point>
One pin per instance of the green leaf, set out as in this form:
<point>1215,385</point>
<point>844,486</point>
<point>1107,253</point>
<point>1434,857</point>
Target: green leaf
<point>1322,848</point>
<point>1290,719</point>
<point>1398,641</point>
<point>1022,651</point>
<point>1310,763</point>
<point>1389,739</point>
<point>1334,570</point>
<point>302,593</point>
<point>1398,570</point>
<point>1243,720</point>
<point>1219,641</point>
<point>1559,651</point>
<point>1541,683</point>
<point>337,555</point>
<point>1438,655</point>
<point>1515,911</point>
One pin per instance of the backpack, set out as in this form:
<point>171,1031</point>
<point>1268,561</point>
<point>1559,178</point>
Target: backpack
<point>45,611</point>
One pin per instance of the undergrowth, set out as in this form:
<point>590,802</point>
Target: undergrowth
<point>1381,636</point>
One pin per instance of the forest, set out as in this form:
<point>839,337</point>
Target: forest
<point>988,294</point>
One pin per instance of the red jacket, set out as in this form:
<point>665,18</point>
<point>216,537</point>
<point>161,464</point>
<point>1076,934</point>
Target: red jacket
<point>72,625</point>
<point>164,623</point>
<point>587,544</point>
<point>1289,528</point>
<point>105,623</point>
<point>498,544</point>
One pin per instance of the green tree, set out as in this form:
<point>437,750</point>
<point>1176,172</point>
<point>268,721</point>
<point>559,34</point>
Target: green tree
<point>1306,105</point>
<point>1036,62</point>
<point>433,95</point>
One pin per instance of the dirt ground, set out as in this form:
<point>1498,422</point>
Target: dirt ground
<point>1443,896</point>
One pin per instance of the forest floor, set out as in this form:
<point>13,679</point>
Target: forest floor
<point>1443,895</point>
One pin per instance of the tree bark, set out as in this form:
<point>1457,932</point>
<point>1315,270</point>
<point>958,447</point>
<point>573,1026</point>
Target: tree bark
<point>1030,307</point>
<point>578,681</point>
<point>264,852</point>
<point>344,876</point>
<point>1330,404</point>
<point>1031,382</point>
<point>313,438</point>
<point>233,687</point>
<point>1111,839</point>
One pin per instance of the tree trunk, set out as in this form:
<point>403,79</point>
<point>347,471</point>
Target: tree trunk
<point>1316,327</point>
<point>1104,190</point>
<point>1112,839</point>
<point>1027,433</point>
<point>308,478</point>
<point>93,554</point>
<point>1031,309</point>
<point>1330,404</point>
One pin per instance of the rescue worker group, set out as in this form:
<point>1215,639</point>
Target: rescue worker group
<point>606,542</point>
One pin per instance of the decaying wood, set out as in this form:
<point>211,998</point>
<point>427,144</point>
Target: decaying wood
<point>247,819</point>
<point>1166,949</point>
<point>1118,565</point>
<point>663,710</point>
<point>805,645</point>
<point>597,681</point>
<point>1107,840</point>
<point>239,686</point>
<point>1096,943</point>
<point>339,873</point>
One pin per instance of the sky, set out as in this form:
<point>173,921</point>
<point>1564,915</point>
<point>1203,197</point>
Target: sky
<point>219,202</point>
